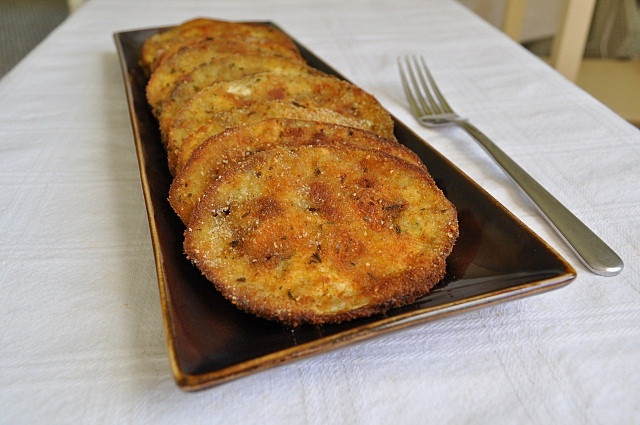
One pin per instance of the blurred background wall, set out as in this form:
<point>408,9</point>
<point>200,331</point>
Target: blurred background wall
<point>24,24</point>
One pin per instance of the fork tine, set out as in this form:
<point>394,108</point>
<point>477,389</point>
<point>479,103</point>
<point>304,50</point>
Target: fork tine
<point>407,91</point>
<point>443,102</point>
<point>426,108</point>
<point>427,103</point>
<point>435,107</point>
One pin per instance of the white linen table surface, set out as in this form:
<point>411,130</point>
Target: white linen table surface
<point>81,334</point>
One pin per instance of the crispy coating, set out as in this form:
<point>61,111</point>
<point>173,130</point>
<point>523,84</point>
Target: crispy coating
<point>309,90</point>
<point>154,47</point>
<point>236,144</point>
<point>258,112</point>
<point>189,57</point>
<point>162,45</point>
<point>225,68</point>
<point>300,205</point>
<point>322,234</point>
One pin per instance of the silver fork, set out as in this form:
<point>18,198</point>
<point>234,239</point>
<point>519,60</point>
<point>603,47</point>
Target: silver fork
<point>432,110</point>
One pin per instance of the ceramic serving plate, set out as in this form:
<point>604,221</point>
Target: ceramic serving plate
<point>495,259</point>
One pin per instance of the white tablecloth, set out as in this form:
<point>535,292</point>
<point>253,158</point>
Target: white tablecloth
<point>81,334</point>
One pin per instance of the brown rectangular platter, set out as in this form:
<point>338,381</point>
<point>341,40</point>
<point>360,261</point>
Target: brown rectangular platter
<point>496,259</point>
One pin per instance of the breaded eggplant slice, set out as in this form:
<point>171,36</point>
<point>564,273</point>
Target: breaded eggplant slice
<point>310,90</point>
<point>154,47</point>
<point>164,44</point>
<point>225,68</point>
<point>258,112</point>
<point>322,234</point>
<point>236,144</point>
<point>189,57</point>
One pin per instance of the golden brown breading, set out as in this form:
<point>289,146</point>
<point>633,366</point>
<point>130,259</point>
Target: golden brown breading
<point>225,68</point>
<point>236,144</point>
<point>322,234</point>
<point>258,112</point>
<point>162,45</point>
<point>314,90</point>
<point>153,47</point>
<point>175,67</point>
<point>291,216</point>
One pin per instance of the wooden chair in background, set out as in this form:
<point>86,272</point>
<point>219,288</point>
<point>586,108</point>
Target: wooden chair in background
<point>614,82</point>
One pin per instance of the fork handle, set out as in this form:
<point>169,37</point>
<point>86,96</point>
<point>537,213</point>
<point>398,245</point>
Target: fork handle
<point>591,250</point>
